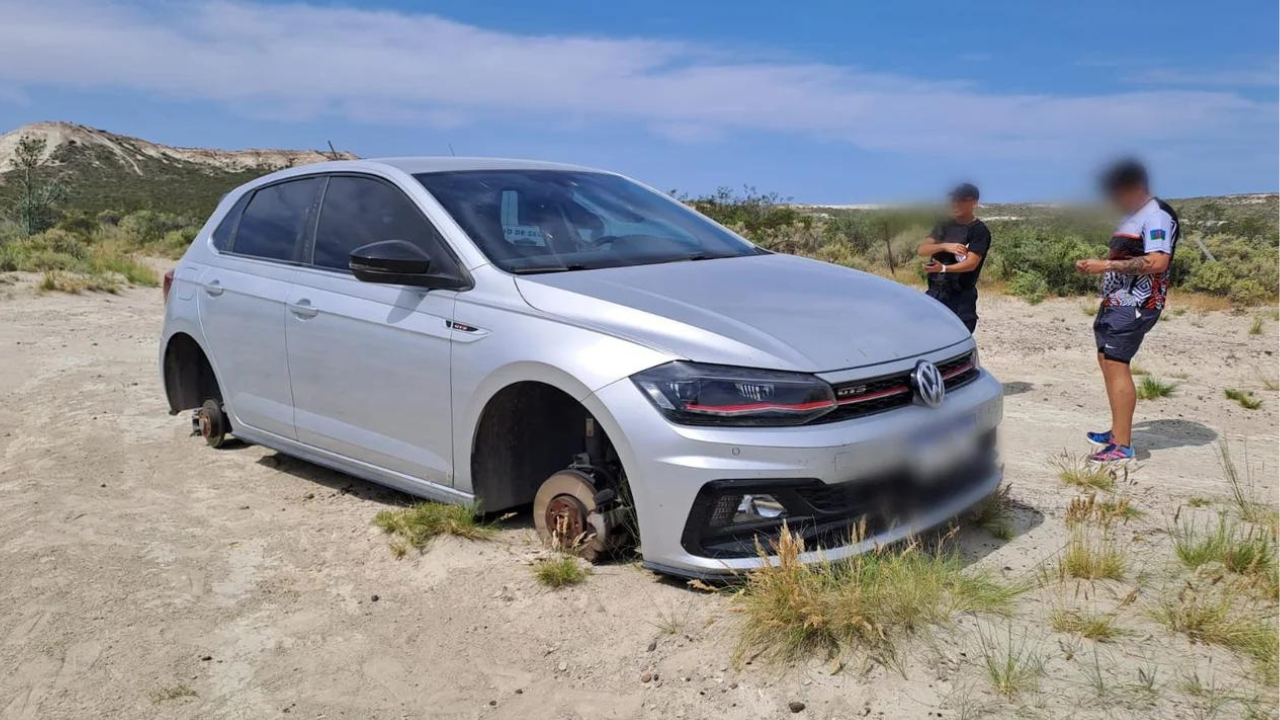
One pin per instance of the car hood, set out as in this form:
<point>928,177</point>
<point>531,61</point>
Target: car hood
<point>768,311</point>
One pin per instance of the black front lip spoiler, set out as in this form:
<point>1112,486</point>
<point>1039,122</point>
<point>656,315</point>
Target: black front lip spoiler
<point>990,482</point>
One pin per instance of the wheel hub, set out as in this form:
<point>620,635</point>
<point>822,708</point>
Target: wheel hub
<point>566,518</point>
<point>206,426</point>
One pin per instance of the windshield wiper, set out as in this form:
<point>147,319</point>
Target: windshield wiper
<point>537,269</point>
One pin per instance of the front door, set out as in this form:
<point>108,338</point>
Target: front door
<point>369,363</point>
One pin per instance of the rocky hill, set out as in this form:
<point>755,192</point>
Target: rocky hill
<point>103,170</point>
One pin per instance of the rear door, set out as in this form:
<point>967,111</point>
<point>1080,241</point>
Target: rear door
<point>242,303</point>
<point>368,362</point>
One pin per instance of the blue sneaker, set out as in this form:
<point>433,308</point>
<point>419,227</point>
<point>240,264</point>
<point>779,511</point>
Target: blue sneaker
<point>1099,438</point>
<point>1113,455</point>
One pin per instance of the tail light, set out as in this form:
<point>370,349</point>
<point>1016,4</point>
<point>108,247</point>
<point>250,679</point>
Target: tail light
<point>168,284</point>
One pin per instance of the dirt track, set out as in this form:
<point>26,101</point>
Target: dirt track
<point>145,575</point>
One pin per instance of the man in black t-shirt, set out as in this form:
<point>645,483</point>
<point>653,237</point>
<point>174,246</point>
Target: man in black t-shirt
<point>957,249</point>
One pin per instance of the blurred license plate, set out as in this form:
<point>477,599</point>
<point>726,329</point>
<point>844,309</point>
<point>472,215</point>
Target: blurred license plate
<point>941,447</point>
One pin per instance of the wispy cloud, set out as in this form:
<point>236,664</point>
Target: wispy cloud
<point>303,61</point>
<point>1244,77</point>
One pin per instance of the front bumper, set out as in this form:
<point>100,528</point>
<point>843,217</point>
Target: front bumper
<point>839,467</point>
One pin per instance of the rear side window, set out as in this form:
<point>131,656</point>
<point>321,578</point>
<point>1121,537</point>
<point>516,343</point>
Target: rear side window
<point>274,219</point>
<point>227,228</point>
<point>358,211</point>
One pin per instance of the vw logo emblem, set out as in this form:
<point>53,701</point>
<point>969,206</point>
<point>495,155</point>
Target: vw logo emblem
<point>928,382</point>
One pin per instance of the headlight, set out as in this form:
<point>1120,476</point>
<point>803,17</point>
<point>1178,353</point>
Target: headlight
<point>695,394</point>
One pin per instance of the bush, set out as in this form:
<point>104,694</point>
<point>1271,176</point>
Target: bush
<point>146,227</point>
<point>1029,285</point>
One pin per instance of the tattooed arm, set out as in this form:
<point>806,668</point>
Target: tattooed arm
<point>1152,263</point>
<point>1149,264</point>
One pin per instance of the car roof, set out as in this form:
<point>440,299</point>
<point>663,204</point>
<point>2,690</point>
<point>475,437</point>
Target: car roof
<point>415,165</point>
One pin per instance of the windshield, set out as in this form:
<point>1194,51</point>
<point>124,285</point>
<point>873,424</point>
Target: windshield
<point>530,221</point>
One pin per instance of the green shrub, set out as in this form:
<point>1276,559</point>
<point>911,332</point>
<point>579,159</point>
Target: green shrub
<point>1029,285</point>
<point>146,227</point>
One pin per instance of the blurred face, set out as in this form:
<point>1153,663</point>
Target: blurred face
<point>961,208</point>
<point>1129,199</point>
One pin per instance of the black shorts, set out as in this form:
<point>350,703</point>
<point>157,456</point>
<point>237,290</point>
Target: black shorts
<point>1118,331</point>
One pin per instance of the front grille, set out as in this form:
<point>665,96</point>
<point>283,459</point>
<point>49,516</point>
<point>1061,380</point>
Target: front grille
<point>859,398</point>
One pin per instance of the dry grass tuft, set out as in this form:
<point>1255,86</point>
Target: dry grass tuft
<point>1104,513</point>
<point>1221,615</point>
<point>1091,557</point>
<point>1094,626</point>
<point>1243,494</point>
<point>560,571</point>
<point>1248,552</point>
<point>415,526</point>
<point>862,604</point>
<point>995,513</point>
<point>1013,666</point>
<point>1077,470</point>
<point>74,284</point>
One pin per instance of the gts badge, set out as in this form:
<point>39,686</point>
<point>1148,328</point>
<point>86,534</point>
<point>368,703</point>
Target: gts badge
<point>851,391</point>
<point>462,327</point>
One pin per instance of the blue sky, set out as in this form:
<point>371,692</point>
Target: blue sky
<point>836,102</point>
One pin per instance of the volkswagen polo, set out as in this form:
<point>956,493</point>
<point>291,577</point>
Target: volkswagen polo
<point>515,334</point>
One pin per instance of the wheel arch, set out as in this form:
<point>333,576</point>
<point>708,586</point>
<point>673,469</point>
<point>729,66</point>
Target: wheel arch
<point>188,373</point>
<point>527,423</point>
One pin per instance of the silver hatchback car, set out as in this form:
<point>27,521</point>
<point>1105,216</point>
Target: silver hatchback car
<point>514,333</point>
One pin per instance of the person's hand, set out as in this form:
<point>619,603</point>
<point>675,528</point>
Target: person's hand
<point>933,266</point>
<point>1092,267</point>
<point>953,248</point>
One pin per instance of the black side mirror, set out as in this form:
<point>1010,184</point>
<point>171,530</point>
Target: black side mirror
<point>397,262</point>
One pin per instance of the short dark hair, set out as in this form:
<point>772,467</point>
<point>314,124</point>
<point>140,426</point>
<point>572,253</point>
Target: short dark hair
<point>964,191</point>
<point>1124,175</point>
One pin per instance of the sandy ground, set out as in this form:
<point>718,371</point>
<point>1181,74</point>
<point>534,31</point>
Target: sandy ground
<point>145,575</point>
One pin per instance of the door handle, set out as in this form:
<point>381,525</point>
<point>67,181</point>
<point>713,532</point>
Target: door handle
<point>303,309</point>
<point>214,288</point>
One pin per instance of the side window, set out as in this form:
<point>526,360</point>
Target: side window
<point>227,228</point>
<point>358,211</point>
<point>274,219</point>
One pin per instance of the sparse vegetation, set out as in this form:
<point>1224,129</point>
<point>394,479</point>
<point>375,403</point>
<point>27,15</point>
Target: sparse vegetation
<point>1243,496</point>
<point>1245,551</point>
<point>1093,626</point>
<point>863,604</point>
<point>1104,513</point>
<point>1077,470</point>
<point>1246,398</point>
<point>994,514</point>
<point>560,571</point>
<point>1153,388</point>
<point>1222,615</point>
<point>1090,556</point>
<point>1013,666</point>
<point>415,526</point>
<point>1256,327</point>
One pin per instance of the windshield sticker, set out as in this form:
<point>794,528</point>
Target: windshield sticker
<point>523,235</point>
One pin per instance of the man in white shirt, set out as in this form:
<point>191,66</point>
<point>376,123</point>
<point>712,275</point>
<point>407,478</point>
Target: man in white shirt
<point>1135,284</point>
